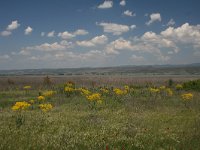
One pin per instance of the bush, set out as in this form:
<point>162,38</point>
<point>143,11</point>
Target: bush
<point>47,81</point>
<point>170,83</point>
<point>192,85</point>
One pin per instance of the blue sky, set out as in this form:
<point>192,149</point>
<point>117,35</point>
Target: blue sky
<point>96,33</point>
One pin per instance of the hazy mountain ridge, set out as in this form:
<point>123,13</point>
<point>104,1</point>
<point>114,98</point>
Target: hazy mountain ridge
<point>187,69</point>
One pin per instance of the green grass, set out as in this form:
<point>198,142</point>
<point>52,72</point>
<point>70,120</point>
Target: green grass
<point>135,121</point>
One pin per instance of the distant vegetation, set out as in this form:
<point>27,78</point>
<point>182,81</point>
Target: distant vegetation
<point>192,85</point>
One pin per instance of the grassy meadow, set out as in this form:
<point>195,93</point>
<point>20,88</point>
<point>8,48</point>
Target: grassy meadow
<point>99,113</point>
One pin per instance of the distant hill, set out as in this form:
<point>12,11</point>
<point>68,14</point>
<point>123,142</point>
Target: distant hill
<point>188,69</point>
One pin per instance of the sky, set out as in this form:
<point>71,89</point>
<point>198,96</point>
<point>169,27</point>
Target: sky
<point>97,33</point>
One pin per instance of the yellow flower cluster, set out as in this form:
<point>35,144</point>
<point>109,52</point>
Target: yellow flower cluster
<point>27,87</point>
<point>126,87</point>
<point>69,84</point>
<point>162,88</point>
<point>119,91</point>
<point>48,93</point>
<point>20,106</point>
<point>95,97</point>
<point>41,98</point>
<point>154,90</point>
<point>84,91</point>
<point>187,97</point>
<point>45,107</point>
<point>32,101</point>
<point>104,90</point>
<point>169,92</point>
<point>179,87</point>
<point>69,89</point>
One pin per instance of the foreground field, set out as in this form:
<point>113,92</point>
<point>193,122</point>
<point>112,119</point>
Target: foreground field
<point>93,116</point>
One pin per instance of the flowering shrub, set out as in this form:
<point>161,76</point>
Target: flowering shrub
<point>104,90</point>
<point>20,106</point>
<point>84,91</point>
<point>41,98</point>
<point>48,93</point>
<point>154,90</point>
<point>45,107</point>
<point>179,87</point>
<point>169,92</point>
<point>119,92</point>
<point>95,97</point>
<point>187,97</point>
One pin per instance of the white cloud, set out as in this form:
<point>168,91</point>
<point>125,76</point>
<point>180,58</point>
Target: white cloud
<point>47,47</point>
<point>122,3</point>
<point>80,32</point>
<point>133,26</point>
<point>159,41</point>
<point>153,18</point>
<point>106,4</point>
<point>171,22</point>
<point>51,34</point>
<point>129,13</point>
<point>42,34</point>
<point>162,45</point>
<point>115,29</point>
<point>25,51</point>
<point>28,30</point>
<point>93,42</point>
<point>139,45</point>
<point>6,33</point>
<point>185,34</point>
<point>3,57</point>
<point>149,42</point>
<point>14,25</point>
<point>94,57</point>
<point>66,35</point>
<point>119,44</point>
<point>137,58</point>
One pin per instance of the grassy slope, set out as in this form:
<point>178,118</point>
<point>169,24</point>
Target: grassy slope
<point>134,122</point>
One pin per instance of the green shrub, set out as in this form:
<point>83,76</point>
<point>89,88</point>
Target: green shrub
<point>192,85</point>
<point>170,83</point>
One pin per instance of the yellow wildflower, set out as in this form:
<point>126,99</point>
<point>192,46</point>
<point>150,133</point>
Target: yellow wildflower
<point>179,87</point>
<point>45,107</point>
<point>94,97</point>
<point>68,89</point>
<point>70,84</point>
<point>48,93</point>
<point>20,106</point>
<point>126,87</point>
<point>41,98</point>
<point>169,92</point>
<point>187,97</point>
<point>27,87</point>
<point>154,90</point>
<point>99,101</point>
<point>32,101</point>
<point>162,87</point>
<point>85,91</point>
<point>119,91</point>
<point>104,90</point>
